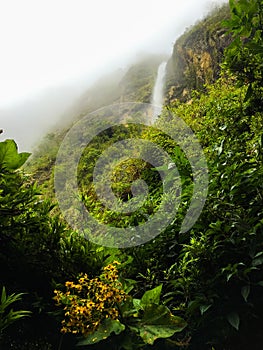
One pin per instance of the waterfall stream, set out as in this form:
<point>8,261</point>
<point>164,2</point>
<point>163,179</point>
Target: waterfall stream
<point>157,96</point>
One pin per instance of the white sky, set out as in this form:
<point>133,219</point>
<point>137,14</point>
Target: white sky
<point>49,42</point>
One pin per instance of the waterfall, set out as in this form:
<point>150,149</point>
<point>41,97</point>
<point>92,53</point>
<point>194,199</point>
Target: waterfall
<point>157,96</point>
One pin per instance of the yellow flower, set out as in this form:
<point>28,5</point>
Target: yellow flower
<point>90,304</point>
<point>116,262</point>
<point>100,306</point>
<point>69,284</point>
<point>91,301</point>
<point>78,287</point>
<point>64,330</point>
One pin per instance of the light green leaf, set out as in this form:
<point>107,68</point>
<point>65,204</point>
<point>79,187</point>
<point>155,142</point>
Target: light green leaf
<point>137,304</point>
<point>151,297</point>
<point>9,156</point>
<point>220,148</point>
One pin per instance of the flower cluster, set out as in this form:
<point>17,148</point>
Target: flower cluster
<point>89,301</point>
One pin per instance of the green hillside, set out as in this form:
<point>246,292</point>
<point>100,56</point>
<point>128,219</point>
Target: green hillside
<point>195,285</point>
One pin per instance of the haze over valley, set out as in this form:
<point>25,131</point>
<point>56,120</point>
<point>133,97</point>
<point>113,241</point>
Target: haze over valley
<point>52,53</point>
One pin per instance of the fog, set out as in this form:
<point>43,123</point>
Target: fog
<point>53,50</point>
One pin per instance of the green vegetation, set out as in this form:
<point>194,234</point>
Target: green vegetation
<point>97,307</point>
<point>201,289</point>
<point>245,55</point>
<point>7,315</point>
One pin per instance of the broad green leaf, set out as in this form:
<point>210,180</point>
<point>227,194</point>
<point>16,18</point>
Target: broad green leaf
<point>9,156</point>
<point>158,322</point>
<point>103,332</point>
<point>151,297</point>
<point>234,320</point>
<point>245,292</point>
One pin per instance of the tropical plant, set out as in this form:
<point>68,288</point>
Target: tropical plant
<point>9,316</point>
<point>96,308</point>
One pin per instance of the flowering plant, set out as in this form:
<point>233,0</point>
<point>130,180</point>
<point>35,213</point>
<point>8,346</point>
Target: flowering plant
<point>95,308</point>
<point>90,301</point>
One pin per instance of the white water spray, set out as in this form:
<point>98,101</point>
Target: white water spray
<point>157,97</point>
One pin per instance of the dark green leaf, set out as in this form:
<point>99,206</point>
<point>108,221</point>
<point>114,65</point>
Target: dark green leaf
<point>104,331</point>
<point>245,292</point>
<point>204,308</point>
<point>234,320</point>
<point>158,322</point>
<point>248,93</point>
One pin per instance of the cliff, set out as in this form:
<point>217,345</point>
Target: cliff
<point>197,56</point>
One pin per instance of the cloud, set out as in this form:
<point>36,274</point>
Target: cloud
<point>44,43</point>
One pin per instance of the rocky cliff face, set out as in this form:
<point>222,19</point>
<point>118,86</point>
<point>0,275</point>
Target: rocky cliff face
<point>196,56</point>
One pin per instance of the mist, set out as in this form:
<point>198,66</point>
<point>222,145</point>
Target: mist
<point>52,51</point>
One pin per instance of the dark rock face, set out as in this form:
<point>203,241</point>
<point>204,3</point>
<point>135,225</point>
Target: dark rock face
<point>197,56</point>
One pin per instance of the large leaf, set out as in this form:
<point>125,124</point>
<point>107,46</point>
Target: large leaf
<point>104,331</point>
<point>158,322</point>
<point>9,156</point>
<point>151,297</point>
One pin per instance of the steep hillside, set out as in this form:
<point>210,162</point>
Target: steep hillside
<point>195,61</point>
<point>157,242</point>
<point>133,85</point>
<point>197,55</point>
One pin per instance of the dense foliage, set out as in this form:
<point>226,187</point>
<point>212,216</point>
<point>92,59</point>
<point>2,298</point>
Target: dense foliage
<point>244,56</point>
<point>202,289</point>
